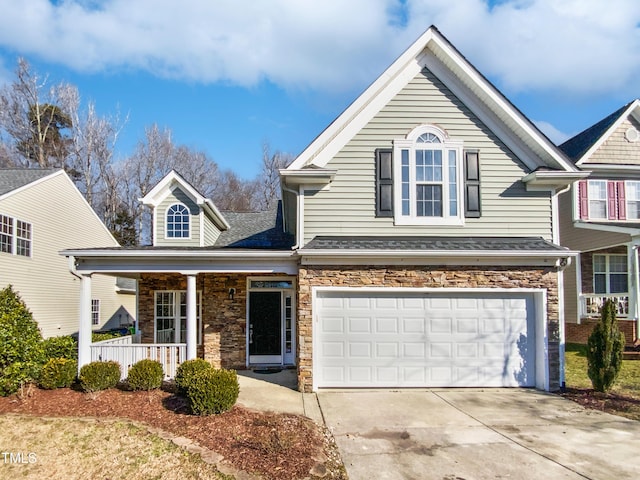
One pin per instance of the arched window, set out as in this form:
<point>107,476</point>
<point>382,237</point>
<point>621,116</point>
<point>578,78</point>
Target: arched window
<point>428,177</point>
<point>177,221</point>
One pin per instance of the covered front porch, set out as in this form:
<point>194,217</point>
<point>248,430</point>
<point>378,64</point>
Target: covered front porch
<point>235,309</point>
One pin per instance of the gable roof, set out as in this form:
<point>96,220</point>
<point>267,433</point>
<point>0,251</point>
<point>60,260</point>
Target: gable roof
<point>581,147</point>
<point>12,179</point>
<point>433,51</point>
<point>173,179</point>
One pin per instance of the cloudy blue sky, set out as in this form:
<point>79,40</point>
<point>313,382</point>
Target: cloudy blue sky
<point>226,76</point>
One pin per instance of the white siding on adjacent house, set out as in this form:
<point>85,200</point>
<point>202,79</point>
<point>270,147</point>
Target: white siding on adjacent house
<point>60,219</point>
<point>177,196</point>
<point>348,207</point>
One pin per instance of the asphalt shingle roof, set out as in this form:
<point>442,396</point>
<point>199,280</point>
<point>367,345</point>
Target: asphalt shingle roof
<point>432,243</point>
<point>577,146</point>
<point>13,178</point>
<point>255,230</point>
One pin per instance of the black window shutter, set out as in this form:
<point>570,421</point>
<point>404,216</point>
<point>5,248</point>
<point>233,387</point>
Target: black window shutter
<point>384,182</point>
<point>471,184</point>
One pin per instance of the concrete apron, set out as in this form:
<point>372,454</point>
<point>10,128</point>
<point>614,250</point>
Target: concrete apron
<point>477,434</point>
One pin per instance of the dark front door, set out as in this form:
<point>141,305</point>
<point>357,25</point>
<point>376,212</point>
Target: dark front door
<point>265,326</point>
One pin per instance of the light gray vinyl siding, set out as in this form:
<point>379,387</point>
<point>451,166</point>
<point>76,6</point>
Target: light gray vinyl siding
<point>60,220</point>
<point>177,196</point>
<point>348,207</point>
<point>617,149</point>
<point>211,233</point>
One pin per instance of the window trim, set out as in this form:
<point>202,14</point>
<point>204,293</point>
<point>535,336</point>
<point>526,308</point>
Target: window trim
<point>176,314</point>
<point>605,199</point>
<point>626,199</point>
<point>95,311</point>
<point>607,273</point>
<point>15,239</point>
<point>446,145</point>
<point>166,222</point>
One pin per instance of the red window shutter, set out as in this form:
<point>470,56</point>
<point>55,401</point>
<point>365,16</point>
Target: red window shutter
<point>612,201</point>
<point>622,201</point>
<point>583,199</point>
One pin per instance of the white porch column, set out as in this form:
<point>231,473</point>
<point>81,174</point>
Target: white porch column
<point>192,322</point>
<point>84,327</point>
<point>635,296</point>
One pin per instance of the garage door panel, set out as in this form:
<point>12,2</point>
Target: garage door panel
<point>424,339</point>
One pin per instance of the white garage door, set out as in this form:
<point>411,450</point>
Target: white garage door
<point>418,339</point>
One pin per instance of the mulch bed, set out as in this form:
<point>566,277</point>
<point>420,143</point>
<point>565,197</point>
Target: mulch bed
<point>606,402</point>
<point>275,446</point>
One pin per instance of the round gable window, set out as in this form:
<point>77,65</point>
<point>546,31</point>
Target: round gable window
<point>632,134</point>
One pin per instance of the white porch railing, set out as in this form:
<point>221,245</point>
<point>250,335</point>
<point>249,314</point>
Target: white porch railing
<point>126,353</point>
<point>591,304</point>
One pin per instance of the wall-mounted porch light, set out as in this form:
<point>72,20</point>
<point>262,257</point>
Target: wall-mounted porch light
<point>232,292</point>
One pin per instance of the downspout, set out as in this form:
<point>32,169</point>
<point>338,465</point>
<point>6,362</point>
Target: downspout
<point>555,235</point>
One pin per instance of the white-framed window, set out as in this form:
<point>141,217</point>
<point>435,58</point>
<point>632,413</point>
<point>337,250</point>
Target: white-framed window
<point>597,199</point>
<point>632,193</point>
<point>95,311</point>
<point>428,178</point>
<point>610,273</point>
<point>178,221</point>
<point>171,316</point>
<point>15,236</point>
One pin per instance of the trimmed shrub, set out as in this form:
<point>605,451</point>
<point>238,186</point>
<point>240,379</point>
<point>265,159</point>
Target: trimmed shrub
<point>61,347</point>
<point>96,376</point>
<point>186,370</point>
<point>17,375</point>
<point>21,352</point>
<point>145,375</point>
<point>58,373</point>
<point>98,337</point>
<point>20,336</point>
<point>212,391</point>
<point>604,349</point>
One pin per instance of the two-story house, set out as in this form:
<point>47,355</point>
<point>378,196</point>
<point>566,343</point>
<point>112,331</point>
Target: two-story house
<point>41,213</point>
<point>416,245</point>
<point>600,217</point>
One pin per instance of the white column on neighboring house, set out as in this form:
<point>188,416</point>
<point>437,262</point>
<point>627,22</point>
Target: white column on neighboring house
<point>84,327</point>
<point>192,321</point>
<point>636,287</point>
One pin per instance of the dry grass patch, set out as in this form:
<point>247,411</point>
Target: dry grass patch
<point>85,448</point>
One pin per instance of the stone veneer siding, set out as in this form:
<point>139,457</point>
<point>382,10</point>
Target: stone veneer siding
<point>223,320</point>
<point>422,276</point>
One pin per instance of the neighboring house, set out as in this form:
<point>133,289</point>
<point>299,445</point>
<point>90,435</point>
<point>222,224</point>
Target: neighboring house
<point>422,246</point>
<point>42,213</point>
<point>600,217</point>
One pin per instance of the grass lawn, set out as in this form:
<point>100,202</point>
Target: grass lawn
<point>624,397</point>
<point>55,448</point>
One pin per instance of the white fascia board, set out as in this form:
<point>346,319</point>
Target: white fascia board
<point>35,182</point>
<point>511,127</point>
<point>307,176</point>
<point>633,106</point>
<point>160,253</point>
<point>257,262</point>
<point>215,214</point>
<point>358,114</point>
<point>432,257</point>
<point>547,180</point>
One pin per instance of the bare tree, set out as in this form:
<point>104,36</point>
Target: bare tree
<point>34,123</point>
<point>91,148</point>
<point>267,184</point>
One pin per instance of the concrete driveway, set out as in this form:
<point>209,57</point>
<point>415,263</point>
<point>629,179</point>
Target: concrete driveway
<point>463,434</point>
